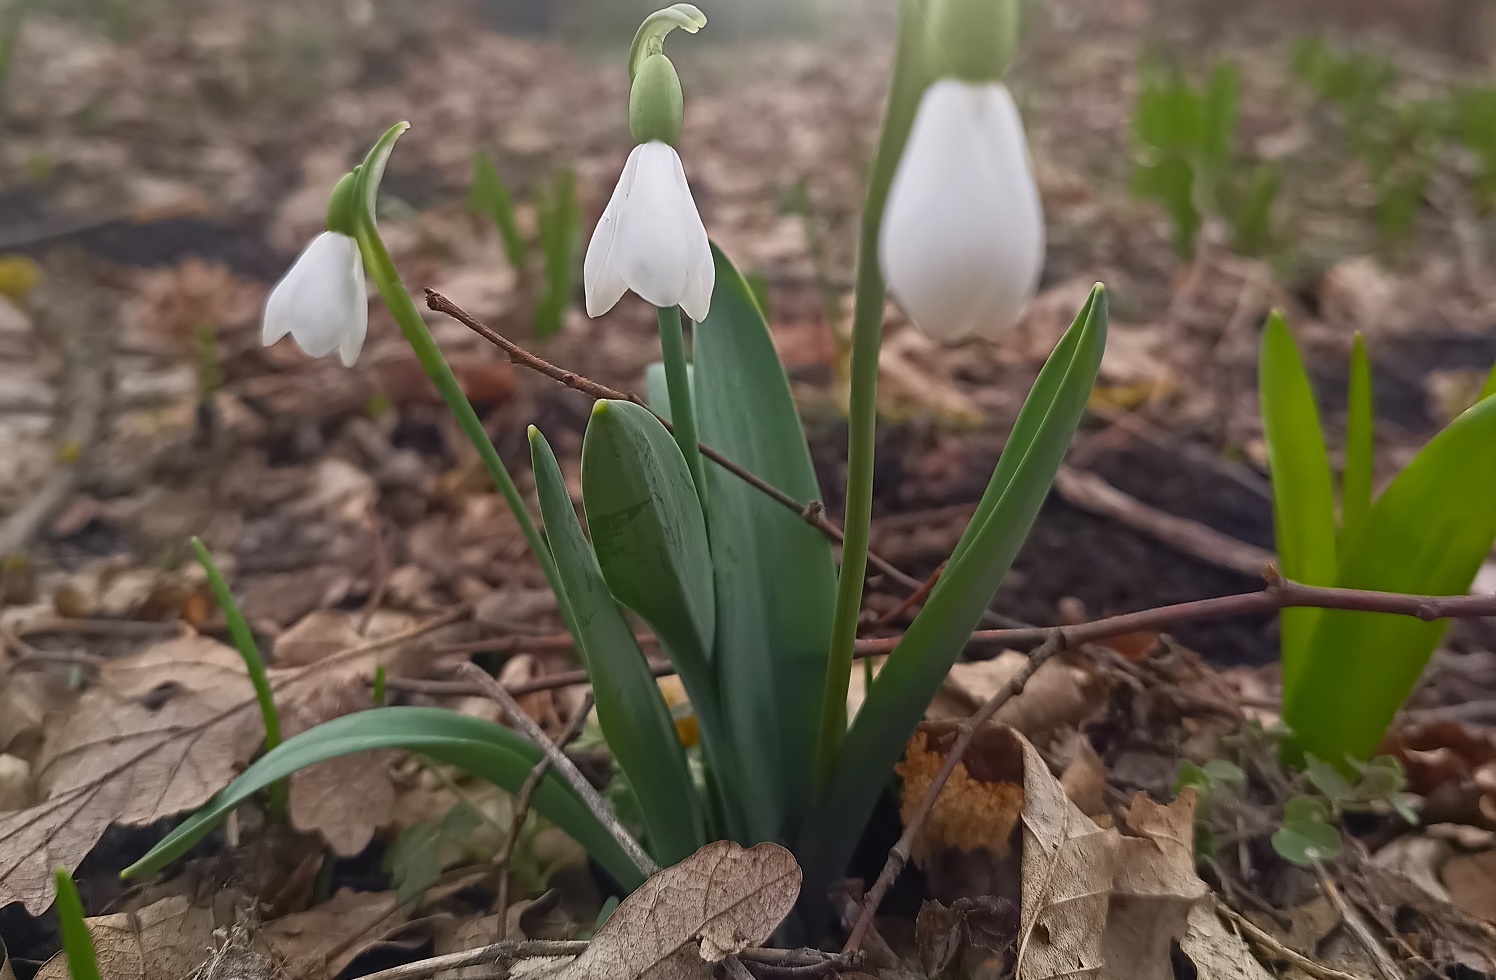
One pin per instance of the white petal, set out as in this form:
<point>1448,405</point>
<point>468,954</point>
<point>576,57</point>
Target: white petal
<point>962,242</point>
<point>353,342</point>
<point>321,300</point>
<point>601,281</point>
<point>660,238</point>
<point>701,275</point>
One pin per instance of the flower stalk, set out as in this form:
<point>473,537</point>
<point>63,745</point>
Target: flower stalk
<point>682,408</point>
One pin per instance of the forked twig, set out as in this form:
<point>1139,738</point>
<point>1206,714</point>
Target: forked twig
<point>521,808</point>
<point>899,856</point>
<point>494,690</point>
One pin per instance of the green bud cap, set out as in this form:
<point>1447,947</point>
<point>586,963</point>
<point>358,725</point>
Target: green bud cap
<point>343,206</point>
<point>973,40</point>
<point>656,104</point>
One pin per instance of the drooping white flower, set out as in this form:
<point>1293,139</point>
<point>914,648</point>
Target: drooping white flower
<point>962,241</point>
<point>321,301</point>
<point>651,239</point>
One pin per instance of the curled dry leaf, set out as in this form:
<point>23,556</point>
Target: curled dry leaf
<point>1471,880</point>
<point>1216,952</point>
<point>168,940</point>
<point>164,730</point>
<point>1068,865</point>
<point>1062,694</point>
<point>1155,887</point>
<point>322,941</point>
<point>724,896</point>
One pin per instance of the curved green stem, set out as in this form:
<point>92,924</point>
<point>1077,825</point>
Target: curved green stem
<point>397,298</point>
<point>908,84</point>
<point>682,406</point>
<point>249,652</point>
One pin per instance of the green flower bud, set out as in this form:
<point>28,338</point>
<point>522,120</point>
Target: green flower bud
<point>655,101</point>
<point>343,206</point>
<point>973,40</point>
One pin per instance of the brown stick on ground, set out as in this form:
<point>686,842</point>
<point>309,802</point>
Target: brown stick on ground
<point>813,513</point>
<point>568,769</point>
<point>899,855</point>
<point>522,806</point>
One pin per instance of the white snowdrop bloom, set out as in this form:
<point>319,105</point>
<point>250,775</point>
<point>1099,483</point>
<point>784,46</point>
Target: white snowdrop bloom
<point>651,239</point>
<point>321,300</point>
<point>962,241</point>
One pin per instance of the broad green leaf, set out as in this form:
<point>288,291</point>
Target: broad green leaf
<point>1427,534</point>
<point>650,540</point>
<point>1168,115</point>
<point>1328,780</point>
<point>489,197</point>
<point>1303,499</point>
<point>487,750</point>
<point>775,575</point>
<point>921,661</point>
<point>560,233</point>
<point>1355,494</point>
<point>634,718</point>
<point>1307,834</point>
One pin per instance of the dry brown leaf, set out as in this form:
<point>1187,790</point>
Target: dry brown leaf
<point>1062,693</point>
<point>6,973</point>
<point>725,896</point>
<point>168,940</point>
<point>1068,864</point>
<point>1216,952</point>
<point>1471,880</point>
<point>980,803</point>
<point>322,941</point>
<point>162,732</point>
<point>1084,778</point>
<point>1155,888</point>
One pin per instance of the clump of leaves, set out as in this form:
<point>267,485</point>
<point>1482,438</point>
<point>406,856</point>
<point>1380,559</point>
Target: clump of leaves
<point>1426,534</point>
<point>1185,158</point>
<point>558,238</point>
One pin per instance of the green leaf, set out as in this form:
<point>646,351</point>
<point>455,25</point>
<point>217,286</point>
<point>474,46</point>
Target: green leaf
<point>77,942</point>
<point>489,197</point>
<point>1168,115</point>
<point>483,748</point>
<point>1303,500</point>
<point>1171,182</point>
<point>775,575</point>
<point>560,233</point>
<point>920,663</point>
<point>1489,388</point>
<point>1427,534</point>
<point>1218,112</point>
<point>1225,775</point>
<point>1306,835</point>
<point>632,713</point>
<point>1328,780</point>
<point>1190,773</point>
<point>371,171</point>
<point>1252,213</point>
<point>1359,459</point>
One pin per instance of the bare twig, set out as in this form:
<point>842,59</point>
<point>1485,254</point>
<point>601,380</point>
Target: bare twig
<point>899,855</point>
<point>914,598</point>
<point>813,513</point>
<point>1357,926</point>
<point>521,808</point>
<point>1277,950</point>
<point>516,949</point>
<point>568,769</point>
<point>1279,594</point>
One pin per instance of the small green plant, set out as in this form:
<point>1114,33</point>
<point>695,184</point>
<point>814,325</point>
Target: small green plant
<point>77,941</point>
<point>558,234</point>
<point>743,594</point>
<point>1345,673</point>
<point>1185,159</point>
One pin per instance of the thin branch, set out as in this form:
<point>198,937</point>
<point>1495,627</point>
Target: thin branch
<point>568,769</point>
<point>915,598</point>
<point>812,513</point>
<point>518,949</point>
<point>899,855</point>
<point>1380,958</point>
<point>1277,950</point>
<point>1279,594</point>
<point>522,805</point>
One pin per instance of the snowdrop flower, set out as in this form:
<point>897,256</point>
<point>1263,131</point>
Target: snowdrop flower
<point>962,241</point>
<point>321,301</point>
<point>651,239</point>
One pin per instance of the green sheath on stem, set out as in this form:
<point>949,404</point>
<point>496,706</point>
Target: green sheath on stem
<point>682,408</point>
<point>249,651</point>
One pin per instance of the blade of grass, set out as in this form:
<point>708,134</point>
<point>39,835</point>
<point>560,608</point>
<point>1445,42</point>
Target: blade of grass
<point>77,941</point>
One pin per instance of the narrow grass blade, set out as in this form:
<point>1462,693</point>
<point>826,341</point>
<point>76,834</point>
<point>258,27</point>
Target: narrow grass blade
<point>923,658</point>
<point>77,942</point>
<point>483,748</point>
<point>489,197</point>
<point>1355,493</point>
<point>560,235</point>
<point>1427,534</point>
<point>1303,497</point>
<point>635,720</point>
